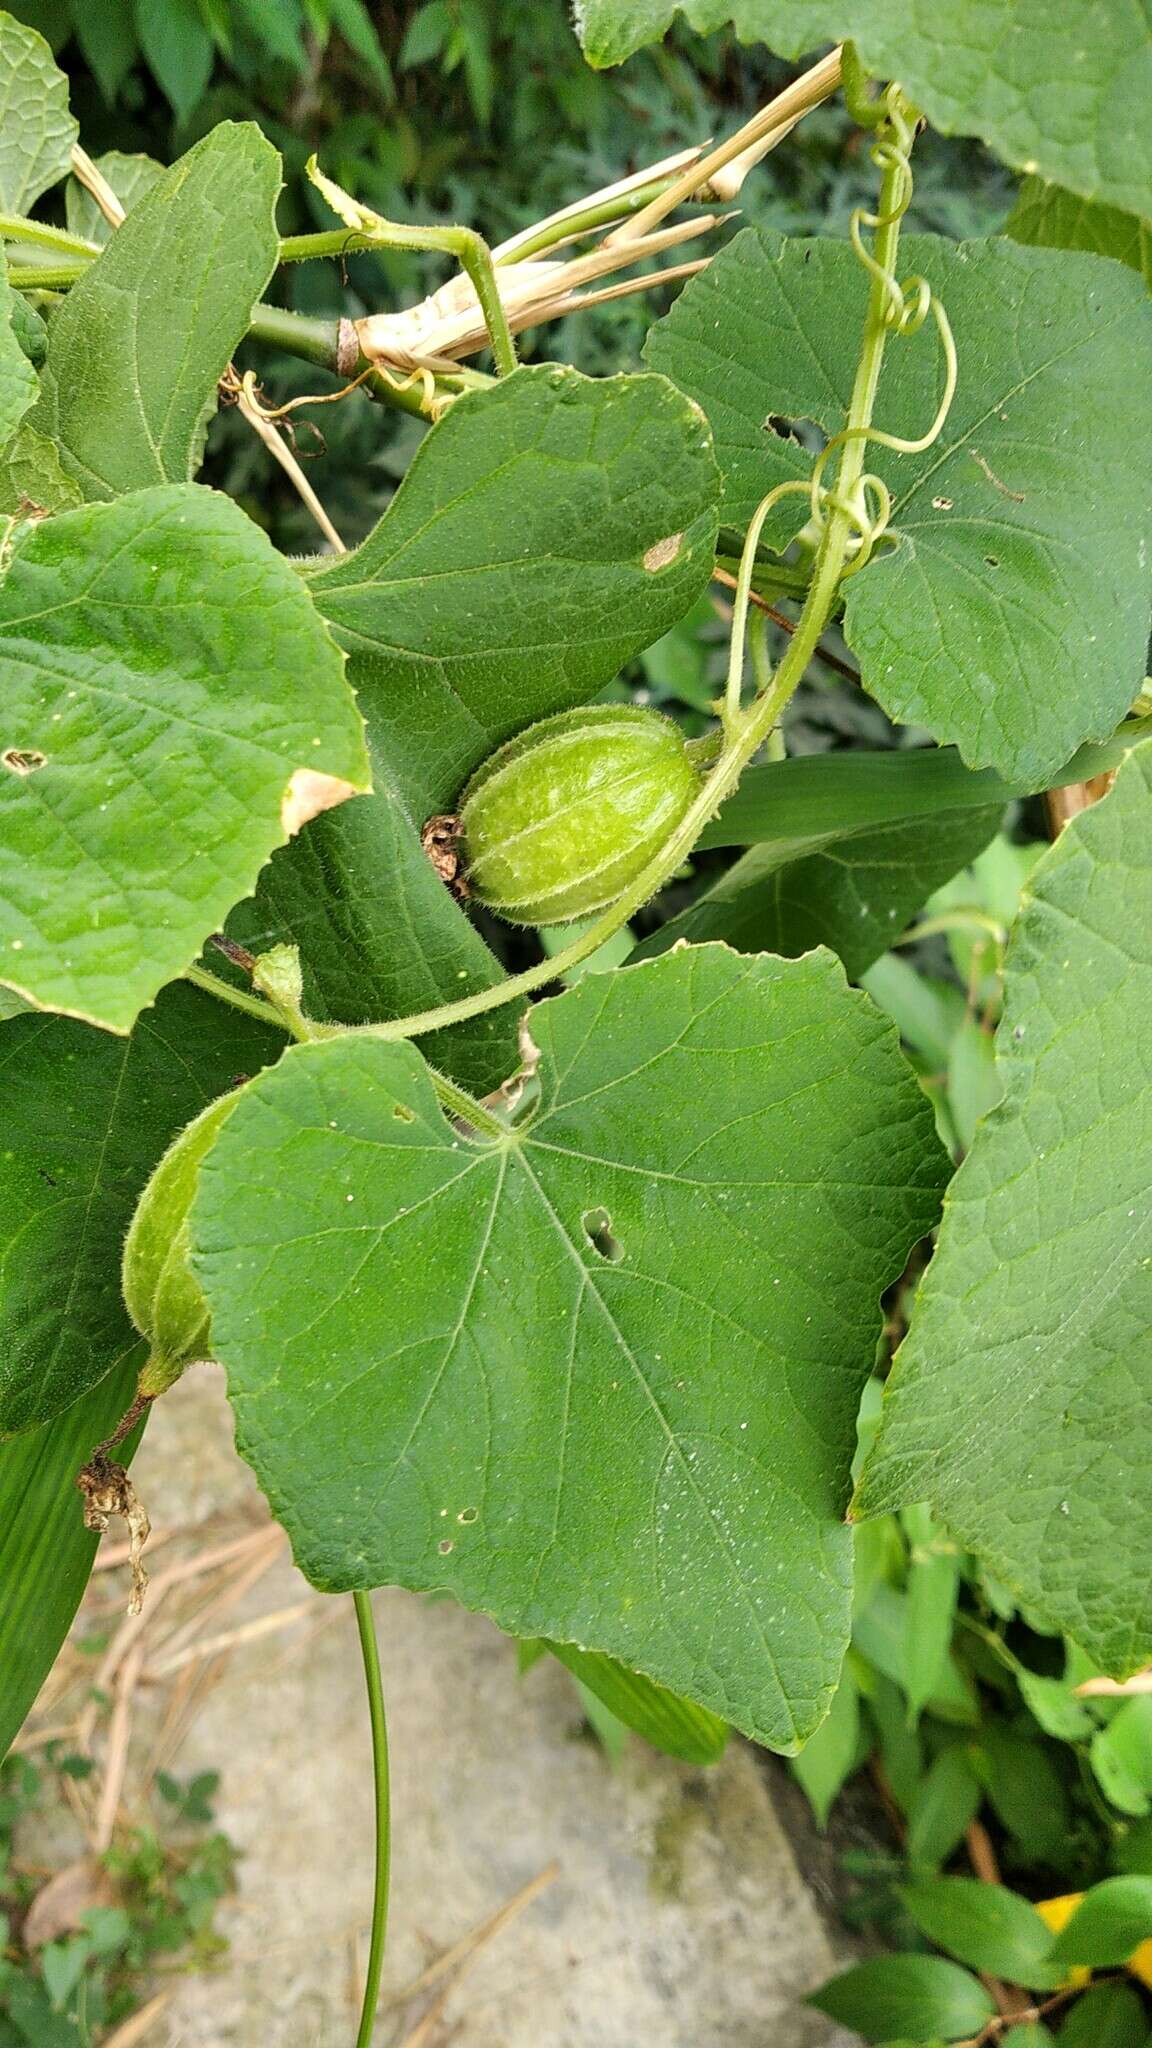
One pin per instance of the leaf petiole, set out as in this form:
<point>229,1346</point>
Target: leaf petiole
<point>253,1006</point>
<point>15,227</point>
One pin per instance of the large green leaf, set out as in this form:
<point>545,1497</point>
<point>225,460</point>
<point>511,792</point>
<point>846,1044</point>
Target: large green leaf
<point>1010,612</point>
<point>86,1117</point>
<point>547,529</point>
<point>1017,1403</point>
<point>36,129</point>
<point>1051,218</point>
<point>167,682</point>
<point>138,345</point>
<point>1061,90</point>
<point>598,1379</point>
<point>852,890</point>
<point>510,577</point>
<point>17,377</point>
<point>45,1551</point>
<point>379,934</point>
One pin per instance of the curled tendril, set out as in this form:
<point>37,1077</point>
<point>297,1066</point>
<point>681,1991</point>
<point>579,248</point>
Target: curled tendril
<point>743,592</point>
<point>904,308</point>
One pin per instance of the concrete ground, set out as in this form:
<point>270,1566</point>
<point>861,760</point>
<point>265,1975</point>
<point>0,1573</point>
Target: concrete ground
<point>676,1917</point>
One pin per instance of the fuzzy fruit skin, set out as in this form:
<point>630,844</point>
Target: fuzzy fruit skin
<point>560,820</point>
<point>161,1292</point>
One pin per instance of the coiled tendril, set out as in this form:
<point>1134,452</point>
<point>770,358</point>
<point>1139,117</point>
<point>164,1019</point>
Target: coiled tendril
<point>904,309</point>
<point>859,497</point>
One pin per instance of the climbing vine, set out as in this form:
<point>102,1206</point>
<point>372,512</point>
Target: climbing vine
<point>548,1273</point>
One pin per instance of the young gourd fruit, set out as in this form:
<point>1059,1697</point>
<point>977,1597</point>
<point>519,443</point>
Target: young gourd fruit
<point>161,1292</point>
<point>560,820</point>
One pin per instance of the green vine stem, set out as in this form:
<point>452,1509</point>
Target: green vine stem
<point>369,1651</point>
<point>469,249</point>
<point>16,227</point>
<point>849,519</point>
<point>288,1017</point>
<point>252,1006</point>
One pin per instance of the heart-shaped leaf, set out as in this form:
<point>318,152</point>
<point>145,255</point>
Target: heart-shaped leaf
<point>1033,1443</point>
<point>172,706</point>
<point>598,1377</point>
<point>1010,610</point>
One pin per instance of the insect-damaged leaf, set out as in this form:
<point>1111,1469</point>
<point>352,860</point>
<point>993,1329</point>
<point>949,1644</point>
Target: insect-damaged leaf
<point>1009,609</point>
<point>599,1378</point>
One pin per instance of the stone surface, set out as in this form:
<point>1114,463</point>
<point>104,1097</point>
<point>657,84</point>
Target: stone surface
<point>677,1915</point>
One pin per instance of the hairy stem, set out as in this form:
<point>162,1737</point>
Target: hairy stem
<point>458,1103</point>
<point>14,227</point>
<point>253,1006</point>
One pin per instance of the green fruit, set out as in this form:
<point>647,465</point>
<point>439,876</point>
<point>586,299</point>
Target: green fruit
<point>560,821</point>
<point>161,1292</point>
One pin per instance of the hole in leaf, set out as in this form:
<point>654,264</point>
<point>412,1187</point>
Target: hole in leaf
<point>468,1516</point>
<point>598,1230</point>
<point>23,760</point>
<point>785,430</point>
<point>993,561</point>
<point>446,1546</point>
